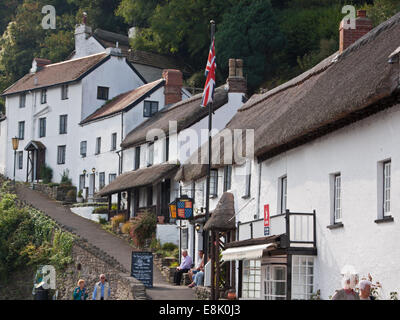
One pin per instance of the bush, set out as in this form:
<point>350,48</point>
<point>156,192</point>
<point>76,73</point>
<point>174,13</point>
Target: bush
<point>155,244</point>
<point>46,173</point>
<point>80,195</point>
<point>144,228</point>
<point>65,180</point>
<point>116,220</point>
<point>126,228</point>
<point>102,221</point>
<point>53,184</point>
<point>102,209</point>
<point>174,265</point>
<point>169,246</point>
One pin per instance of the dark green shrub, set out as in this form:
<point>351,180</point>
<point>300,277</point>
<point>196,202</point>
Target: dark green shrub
<point>46,173</point>
<point>169,246</point>
<point>144,228</point>
<point>71,195</point>
<point>65,180</point>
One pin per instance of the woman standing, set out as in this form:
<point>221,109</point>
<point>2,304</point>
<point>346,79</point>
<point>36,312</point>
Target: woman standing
<point>80,292</point>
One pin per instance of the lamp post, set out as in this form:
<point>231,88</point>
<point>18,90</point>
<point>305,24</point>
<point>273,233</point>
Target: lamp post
<point>15,144</point>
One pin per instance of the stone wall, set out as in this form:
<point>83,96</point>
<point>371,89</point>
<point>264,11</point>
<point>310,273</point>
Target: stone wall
<point>202,293</point>
<point>55,192</point>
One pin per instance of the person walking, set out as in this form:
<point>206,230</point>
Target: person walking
<point>80,292</point>
<point>101,289</point>
<point>184,267</point>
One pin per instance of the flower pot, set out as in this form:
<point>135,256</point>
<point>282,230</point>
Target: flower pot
<point>231,295</point>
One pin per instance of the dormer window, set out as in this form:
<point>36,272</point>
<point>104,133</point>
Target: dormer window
<point>43,96</point>
<point>150,108</point>
<point>102,93</point>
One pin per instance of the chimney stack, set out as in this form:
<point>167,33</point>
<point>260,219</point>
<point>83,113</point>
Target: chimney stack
<point>173,86</point>
<point>38,64</point>
<point>236,81</point>
<point>348,36</point>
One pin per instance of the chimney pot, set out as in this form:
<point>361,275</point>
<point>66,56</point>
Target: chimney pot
<point>232,67</point>
<point>239,68</point>
<point>173,86</point>
<point>236,82</point>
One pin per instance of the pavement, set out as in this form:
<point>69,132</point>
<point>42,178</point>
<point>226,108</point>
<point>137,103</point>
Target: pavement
<point>112,245</point>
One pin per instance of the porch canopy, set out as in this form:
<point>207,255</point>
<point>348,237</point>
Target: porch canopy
<point>245,253</point>
<point>139,178</point>
<point>223,217</point>
<point>35,145</point>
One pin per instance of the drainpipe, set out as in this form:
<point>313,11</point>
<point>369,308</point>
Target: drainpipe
<point>259,189</point>
<point>122,138</point>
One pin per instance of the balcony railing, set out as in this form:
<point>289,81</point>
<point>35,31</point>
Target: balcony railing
<point>300,228</point>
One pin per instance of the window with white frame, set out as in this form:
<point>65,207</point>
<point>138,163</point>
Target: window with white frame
<point>63,124</point>
<point>114,141</point>
<point>111,177</point>
<point>22,100</point>
<point>42,127</point>
<point>274,282</point>
<point>386,187</point>
<point>282,194</point>
<point>21,130</point>
<point>150,154</point>
<point>43,96</point>
<point>20,160</point>
<point>337,200</point>
<point>137,158</point>
<point>227,177</point>
<point>61,154</point>
<point>83,148</point>
<point>302,277</point>
<point>102,180</point>
<point>98,145</point>
<point>251,279</point>
<point>64,92</point>
<point>248,180</point>
<point>214,183</point>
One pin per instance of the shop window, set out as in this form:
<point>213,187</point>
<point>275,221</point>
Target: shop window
<point>302,277</point>
<point>251,279</point>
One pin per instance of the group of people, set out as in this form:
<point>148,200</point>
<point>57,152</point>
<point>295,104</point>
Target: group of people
<point>196,274</point>
<point>349,284</point>
<point>101,290</point>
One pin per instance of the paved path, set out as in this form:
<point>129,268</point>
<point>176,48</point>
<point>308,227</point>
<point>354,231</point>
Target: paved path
<point>114,246</point>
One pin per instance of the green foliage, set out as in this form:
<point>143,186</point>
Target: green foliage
<point>144,228</point>
<point>65,179</point>
<point>28,237</point>
<point>155,244</point>
<point>382,10</point>
<point>71,195</point>
<point>169,246</point>
<point>102,221</point>
<point>256,39</point>
<point>102,209</point>
<point>46,173</point>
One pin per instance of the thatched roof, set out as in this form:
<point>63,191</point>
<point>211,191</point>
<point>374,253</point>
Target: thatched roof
<point>139,178</point>
<point>186,113</point>
<point>341,89</point>
<point>223,216</point>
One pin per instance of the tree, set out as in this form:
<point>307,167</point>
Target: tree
<point>382,10</point>
<point>250,31</point>
<point>138,13</point>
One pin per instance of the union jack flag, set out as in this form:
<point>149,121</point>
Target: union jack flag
<point>208,93</point>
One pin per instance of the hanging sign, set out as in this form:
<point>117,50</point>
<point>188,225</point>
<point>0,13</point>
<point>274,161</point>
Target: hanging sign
<point>266,220</point>
<point>181,208</point>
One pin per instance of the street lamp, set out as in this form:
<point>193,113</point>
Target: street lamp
<point>15,144</point>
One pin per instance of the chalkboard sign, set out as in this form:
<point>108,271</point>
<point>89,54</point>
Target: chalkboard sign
<point>142,267</point>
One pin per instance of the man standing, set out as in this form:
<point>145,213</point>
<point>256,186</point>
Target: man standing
<point>101,289</point>
<point>365,290</point>
<point>185,266</point>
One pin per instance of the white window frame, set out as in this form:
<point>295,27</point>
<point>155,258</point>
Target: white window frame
<point>43,96</point>
<point>337,198</point>
<point>251,279</point>
<point>98,146</point>
<point>21,130</point>
<point>303,268</point>
<point>102,180</point>
<point>150,154</point>
<point>114,141</point>
<point>64,92</point>
<point>42,127</point>
<point>282,194</point>
<point>83,148</point>
<point>387,184</point>
<point>61,154</point>
<point>22,100</point>
<point>20,160</point>
<point>268,282</point>
<point>213,182</point>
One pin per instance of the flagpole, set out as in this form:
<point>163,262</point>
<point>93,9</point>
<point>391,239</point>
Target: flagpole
<point>206,235</point>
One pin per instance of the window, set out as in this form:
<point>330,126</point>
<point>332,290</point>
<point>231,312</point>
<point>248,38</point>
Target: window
<point>42,127</point>
<point>251,279</point>
<point>137,158</point>
<point>282,194</point>
<point>114,141</point>
<point>63,124</point>
<point>337,201</point>
<point>102,93</point>
<point>248,179</point>
<point>82,180</point>
<point>61,154</point>
<point>20,159</point>
<point>166,149</point>
<point>83,148</point>
<point>111,177</point>
<point>227,177</point>
<point>21,130</point>
<point>43,96</point>
<point>214,183</point>
<point>386,188</point>
<point>22,100</point>
<point>64,92</point>
<point>98,145</point>
<point>150,154</point>
<point>274,282</point>
<point>302,277</point>
<point>185,239</point>
<point>150,108</point>
<point>102,180</point>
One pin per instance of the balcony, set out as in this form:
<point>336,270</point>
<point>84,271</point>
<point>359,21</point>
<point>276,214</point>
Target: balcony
<point>298,229</point>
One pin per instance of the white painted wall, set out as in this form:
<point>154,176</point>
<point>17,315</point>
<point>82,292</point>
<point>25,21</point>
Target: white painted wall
<point>167,233</point>
<point>3,146</point>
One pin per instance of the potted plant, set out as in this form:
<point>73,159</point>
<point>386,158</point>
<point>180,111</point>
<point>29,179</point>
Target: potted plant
<point>79,199</point>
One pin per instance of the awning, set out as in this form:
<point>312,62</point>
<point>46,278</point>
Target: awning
<point>245,253</point>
